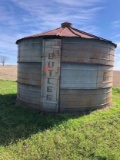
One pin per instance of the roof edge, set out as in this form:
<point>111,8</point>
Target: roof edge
<point>58,36</point>
<point>99,38</point>
<point>66,30</point>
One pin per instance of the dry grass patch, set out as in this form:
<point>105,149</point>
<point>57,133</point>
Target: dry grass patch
<point>8,72</point>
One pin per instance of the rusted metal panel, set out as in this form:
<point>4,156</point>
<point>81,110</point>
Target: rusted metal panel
<point>50,74</point>
<point>66,30</point>
<point>30,73</point>
<point>30,51</point>
<point>54,43</point>
<point>84,51</point>
<point>82,100</point>
<point>105,76</point>
<point>29,93</point>
<point>82,76</point>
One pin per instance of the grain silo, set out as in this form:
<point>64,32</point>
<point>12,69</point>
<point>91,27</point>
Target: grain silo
<point>65,70</point>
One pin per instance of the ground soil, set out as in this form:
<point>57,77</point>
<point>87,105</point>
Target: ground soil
<point>116,78</point>
<point>10,73</point>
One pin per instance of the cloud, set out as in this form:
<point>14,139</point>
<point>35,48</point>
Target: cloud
<point>116,24</point>
<point>117,57</point>
<point>117,62</point>
<point>54,12</point>
<point>118,45</point>
<point>117,35</point>
<point>25,17</point>
<point>78,3</point>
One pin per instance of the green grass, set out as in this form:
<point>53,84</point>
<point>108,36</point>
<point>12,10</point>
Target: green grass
<point>26,135</point>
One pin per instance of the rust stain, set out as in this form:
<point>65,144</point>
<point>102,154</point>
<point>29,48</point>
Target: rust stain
<point>66,30</point>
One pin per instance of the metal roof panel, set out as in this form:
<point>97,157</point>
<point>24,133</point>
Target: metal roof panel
<point>66,30</point>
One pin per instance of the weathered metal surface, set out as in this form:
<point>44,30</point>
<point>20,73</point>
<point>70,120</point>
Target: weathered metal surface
<point>66,30</point>
<point>29,93</point>
<point>84,100</point>
<point>85,51</point>
<point>50,74</point>
<point>30,73</point>
<point>82,76</point>
<point>30,51</point>
<point>65,70</point>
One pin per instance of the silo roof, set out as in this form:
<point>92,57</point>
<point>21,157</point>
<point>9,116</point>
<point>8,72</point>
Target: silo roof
<point>66,30</point>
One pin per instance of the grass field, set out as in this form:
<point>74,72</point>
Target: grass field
<point>26,135</point>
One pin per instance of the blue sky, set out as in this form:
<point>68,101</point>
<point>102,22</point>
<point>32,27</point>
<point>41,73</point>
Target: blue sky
<point>26,17</point>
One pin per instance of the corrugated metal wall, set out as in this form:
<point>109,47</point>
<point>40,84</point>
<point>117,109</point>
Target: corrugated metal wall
<point>87,51</point>
<point>30,50</point>
<point>30,72</point>
<point>84,67</point>
<point>72,100</point>
<point>86,74</point>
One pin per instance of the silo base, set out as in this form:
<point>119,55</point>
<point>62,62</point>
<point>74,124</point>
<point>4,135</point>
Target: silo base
<point>39,108</point>
<point>28,105</point>
<point>31,106</point>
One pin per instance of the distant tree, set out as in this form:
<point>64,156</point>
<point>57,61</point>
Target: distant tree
<point>3,59</point>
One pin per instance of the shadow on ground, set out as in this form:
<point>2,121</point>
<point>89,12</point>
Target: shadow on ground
<point>19,123</point>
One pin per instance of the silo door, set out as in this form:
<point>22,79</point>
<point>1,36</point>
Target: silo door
<point>50,74</point>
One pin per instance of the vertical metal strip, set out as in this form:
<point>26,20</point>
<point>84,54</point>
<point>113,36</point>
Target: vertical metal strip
<point>51,52</point>
<point>42,57</point>
<point>61,48</point>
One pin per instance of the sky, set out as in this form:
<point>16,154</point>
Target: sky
<point>20,18</point>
